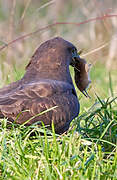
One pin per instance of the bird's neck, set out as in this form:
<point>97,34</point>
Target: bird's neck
<point>62,74</point>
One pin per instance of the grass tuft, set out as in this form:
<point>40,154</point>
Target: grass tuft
<point>86,152</point>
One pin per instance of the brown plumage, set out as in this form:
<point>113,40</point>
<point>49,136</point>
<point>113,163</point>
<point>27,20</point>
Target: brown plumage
<point>47,83</point>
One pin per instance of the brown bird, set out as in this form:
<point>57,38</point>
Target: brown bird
<point>47,83</point>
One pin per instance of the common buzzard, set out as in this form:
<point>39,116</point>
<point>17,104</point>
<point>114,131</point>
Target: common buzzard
<point>47,83</point>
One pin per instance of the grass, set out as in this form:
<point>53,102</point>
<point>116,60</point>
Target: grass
<point>87,151</point>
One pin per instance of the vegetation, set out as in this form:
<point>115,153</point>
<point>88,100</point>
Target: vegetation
<point>89,149</point>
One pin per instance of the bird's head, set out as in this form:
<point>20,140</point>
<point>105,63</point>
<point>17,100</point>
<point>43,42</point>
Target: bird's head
<point>52,60</point>
<point>53,54</point>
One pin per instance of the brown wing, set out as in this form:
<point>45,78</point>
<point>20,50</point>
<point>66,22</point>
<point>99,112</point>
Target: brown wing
<point>9,88</point>
<point>34,98</point>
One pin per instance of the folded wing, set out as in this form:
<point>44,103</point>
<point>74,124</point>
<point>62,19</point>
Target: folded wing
<point>34,98</point>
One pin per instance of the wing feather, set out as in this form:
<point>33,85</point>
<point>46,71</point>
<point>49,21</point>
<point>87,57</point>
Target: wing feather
<point>39,97</point>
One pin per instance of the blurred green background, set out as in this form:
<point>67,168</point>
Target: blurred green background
<point>97,39</point>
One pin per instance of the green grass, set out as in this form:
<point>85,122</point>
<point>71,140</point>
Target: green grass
<point>87,151</point>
